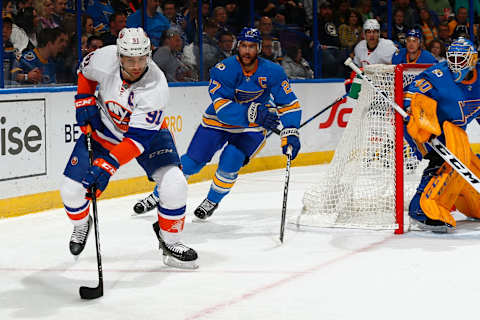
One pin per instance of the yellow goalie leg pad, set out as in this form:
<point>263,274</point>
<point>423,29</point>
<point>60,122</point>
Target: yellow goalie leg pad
<point>442,191</point>
<point>468,201</point>
<point>423,118</point>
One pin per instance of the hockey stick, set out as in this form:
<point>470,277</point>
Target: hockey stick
<point>285,193</point>
<point>434,143</point>
<point>96,292</point>
<point>315,115</point>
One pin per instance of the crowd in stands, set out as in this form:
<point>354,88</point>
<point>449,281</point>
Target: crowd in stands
<point>40,36</point>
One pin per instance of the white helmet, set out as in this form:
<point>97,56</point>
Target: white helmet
<point>371,24</point>
<point>133,42</point>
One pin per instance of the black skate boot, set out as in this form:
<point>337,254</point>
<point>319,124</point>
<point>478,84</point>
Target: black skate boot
<point>435,226</point>
<point>80,236</point>
<point>145,205</point>
<point>205,209</point>
<point>176,254</point>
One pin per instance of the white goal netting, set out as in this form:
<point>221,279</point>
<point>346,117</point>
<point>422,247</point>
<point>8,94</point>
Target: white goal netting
<point>359,189</point>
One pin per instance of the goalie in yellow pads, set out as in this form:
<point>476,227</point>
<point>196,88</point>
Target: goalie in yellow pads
<point>441,101</point>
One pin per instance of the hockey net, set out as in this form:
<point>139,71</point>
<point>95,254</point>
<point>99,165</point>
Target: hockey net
<point>373,174</point>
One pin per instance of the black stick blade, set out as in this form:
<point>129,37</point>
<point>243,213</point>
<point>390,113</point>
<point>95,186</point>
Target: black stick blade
<point>91,293</point>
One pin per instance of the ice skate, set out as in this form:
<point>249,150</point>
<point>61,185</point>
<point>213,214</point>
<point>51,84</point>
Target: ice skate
<point>176,254</point>
<point>205,209</point>
<point>80,236</point>
<point>435,226</point>
<point>147,204</point>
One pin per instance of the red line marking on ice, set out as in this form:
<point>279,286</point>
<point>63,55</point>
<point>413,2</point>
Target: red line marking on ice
<point>254,292</point>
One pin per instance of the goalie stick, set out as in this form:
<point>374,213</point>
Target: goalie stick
<point>96,292</point>
<point>434,143</point>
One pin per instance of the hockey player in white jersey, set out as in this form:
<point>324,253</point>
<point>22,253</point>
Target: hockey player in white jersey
<point>125,117</point>
<point>373,50</point>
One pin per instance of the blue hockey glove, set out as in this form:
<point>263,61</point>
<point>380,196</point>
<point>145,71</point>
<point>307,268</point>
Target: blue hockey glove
<point>290,137</point>
<point>99,173</point>
<point>87,112</point>
<point>260,115</point>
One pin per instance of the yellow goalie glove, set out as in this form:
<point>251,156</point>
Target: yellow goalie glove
<point>423,118</point>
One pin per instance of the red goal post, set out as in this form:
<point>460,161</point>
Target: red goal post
<point>372,169</point>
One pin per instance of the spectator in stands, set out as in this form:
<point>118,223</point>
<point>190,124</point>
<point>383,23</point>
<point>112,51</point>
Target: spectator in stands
<point>88,28</point>
<point>219,16</point>
<point>37,66</point>
<point>45,11</point>
<point>267,51</point>
<point>234,20</point>
<point>28,20</point>
<point>59,11</point>
<point>444,34</point>
<point>428,27</point>
<point>265,26</point>
<point>177,21</point>
<point>225,43</point>
<point>100,11</point>
<point>126,6</point>
<point>465,4</point>
<point>439,7</point>
<point>168,59</point>
<point>191,16</point>
<point>9,52</point>
<point>410,13</point>
<point>342,13</point>
<point>118,21</point>
<point>458,27</point>
<point>295,66</point>
<point>265,8</point>
<point>399,29</point>
<point>156,23</point>
<point>94,43</point>
<point>331,56</point>
<point>364,7</point>
<point>293,11</point>
<point>437,49</point>
<point>7,9</point>
<point>350,33</point>
<point>22,4</point>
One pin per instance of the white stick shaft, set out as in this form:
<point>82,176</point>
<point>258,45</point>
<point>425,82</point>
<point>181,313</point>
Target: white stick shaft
<point>434,143</point>
<point>353,66</point>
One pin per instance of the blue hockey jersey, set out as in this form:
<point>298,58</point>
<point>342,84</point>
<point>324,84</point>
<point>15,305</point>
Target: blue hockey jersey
<point>458,103</point>
<point>401,57</point>
<point>31,60</point>
<point>233,90</point>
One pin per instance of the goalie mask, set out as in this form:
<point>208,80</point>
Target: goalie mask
<point>461,58</point>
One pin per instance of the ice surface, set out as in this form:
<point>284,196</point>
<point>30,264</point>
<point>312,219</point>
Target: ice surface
<point>244,271</point>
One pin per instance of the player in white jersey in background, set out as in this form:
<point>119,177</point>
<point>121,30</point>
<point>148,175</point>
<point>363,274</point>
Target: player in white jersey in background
<point>373,50</point>
<point>126,117</point>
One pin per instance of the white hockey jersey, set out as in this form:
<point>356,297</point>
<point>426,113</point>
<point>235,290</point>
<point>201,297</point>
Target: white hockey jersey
<point>125,106</point>
<point>381,55</point>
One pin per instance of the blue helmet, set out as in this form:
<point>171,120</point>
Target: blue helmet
<point>251,35</point>
<point>415,33</point>
<point>461,58</point>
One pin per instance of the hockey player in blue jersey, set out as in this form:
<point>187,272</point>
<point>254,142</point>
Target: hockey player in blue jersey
<point>442,100</point>
<point>413,52</point>
<point>240,89</point>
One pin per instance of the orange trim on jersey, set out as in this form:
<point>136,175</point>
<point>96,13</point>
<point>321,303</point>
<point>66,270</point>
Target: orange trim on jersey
<point>39,56</point>
<point>296,105</point>
<point>172,226</point>
<point>474,78</point>
<point>125,151</point>
<point>222,184</point>
<point>216,123</point>
<point>104,143</point>
<point>218,104</point>
<point>415,60</point>
<point>248,74</point>
<point>86,86</point>
<point>80,215</point>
